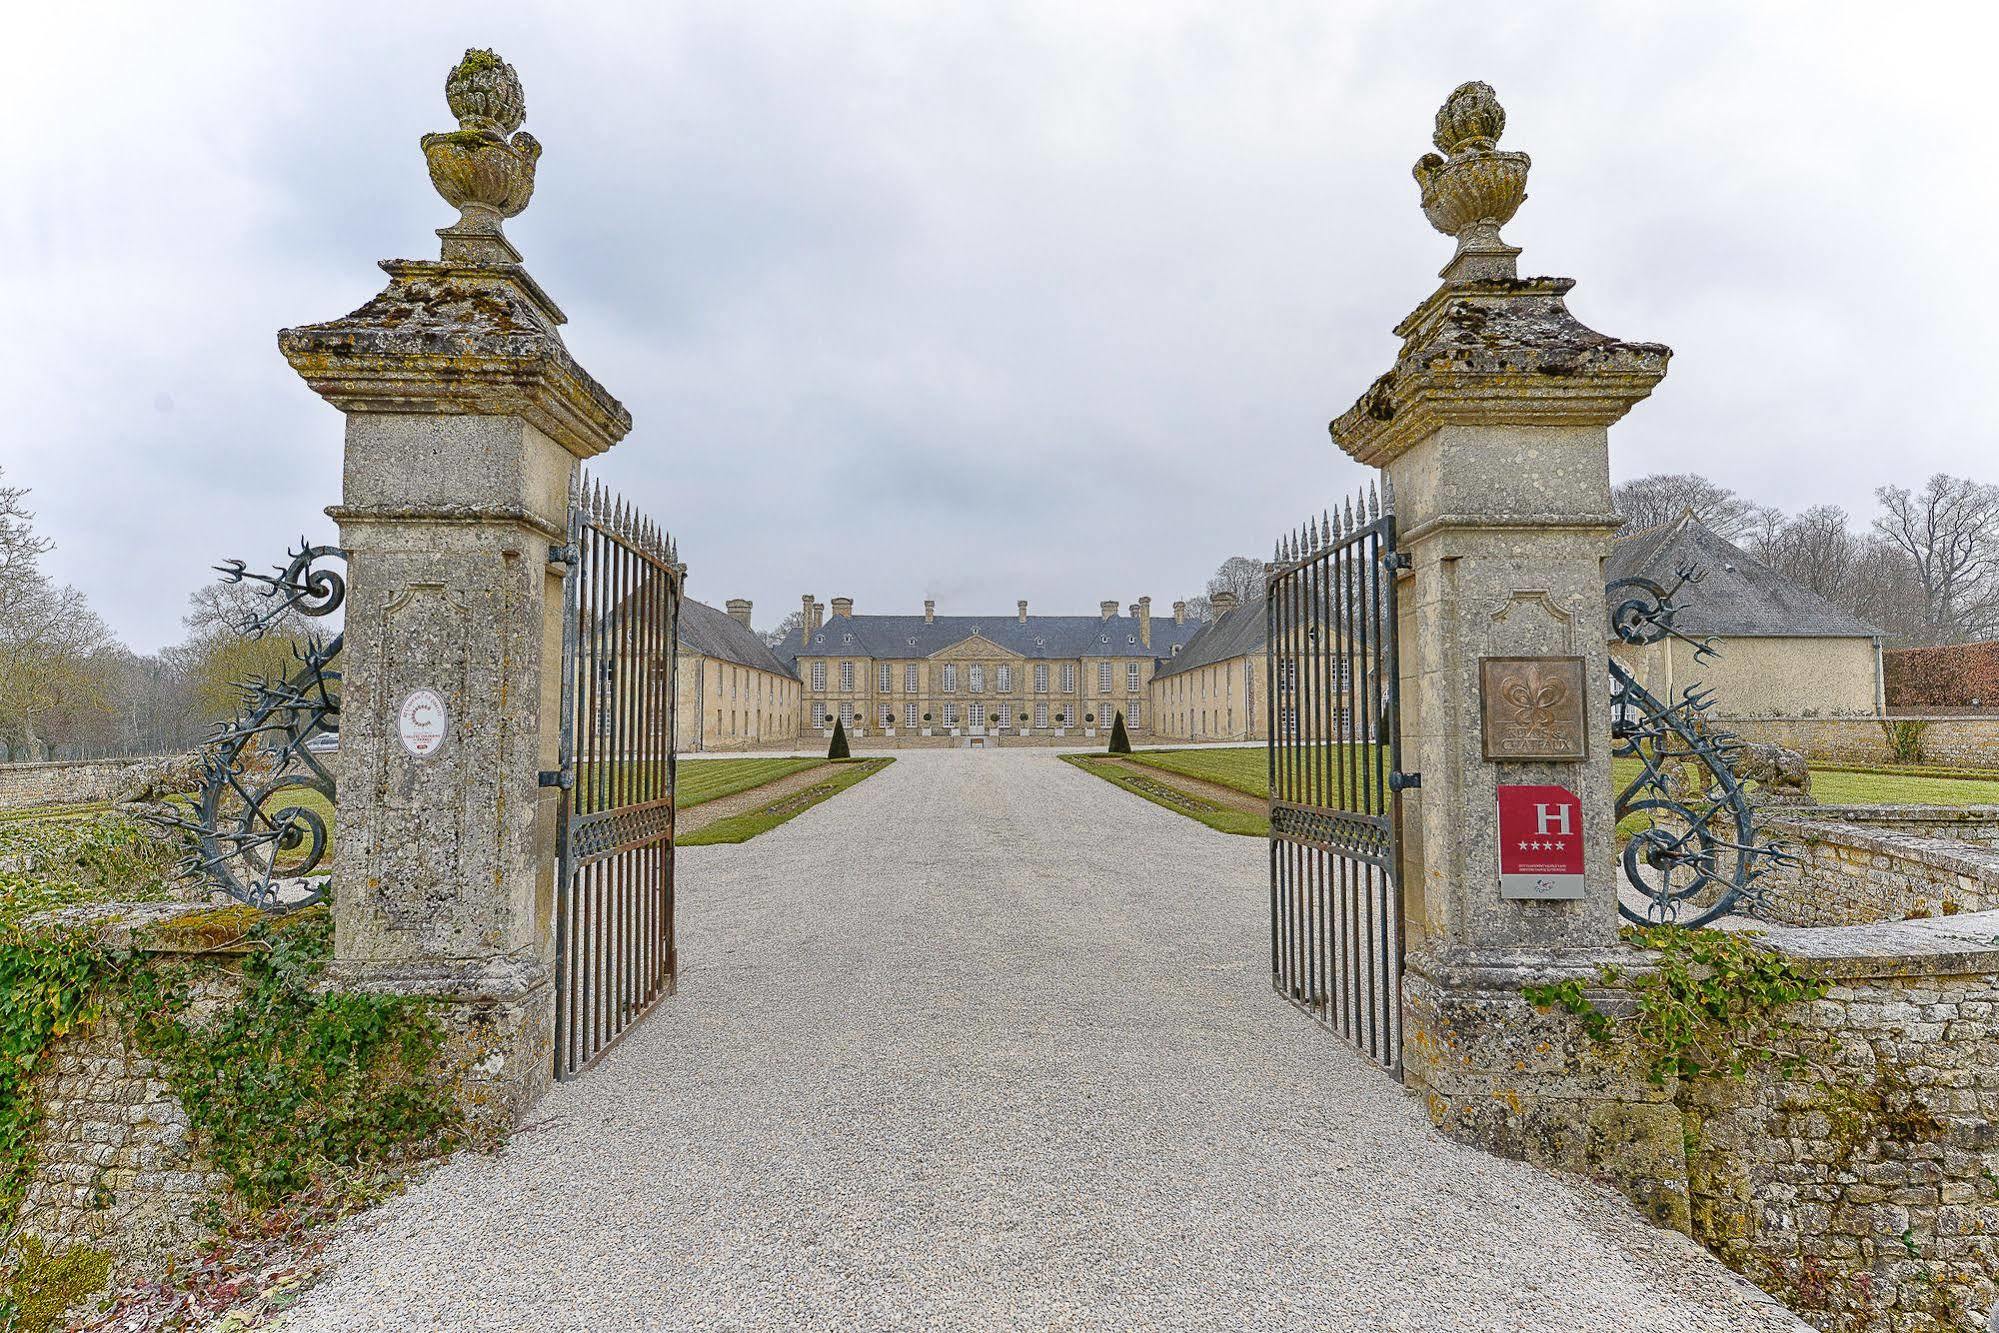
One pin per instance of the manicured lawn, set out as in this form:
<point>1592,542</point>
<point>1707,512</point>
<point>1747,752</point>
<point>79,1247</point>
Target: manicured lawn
<point>1868,787</point>
<point>741,828</point>
<point>1220,818</point>
<point>702,780</point>
<point>1247,768</point>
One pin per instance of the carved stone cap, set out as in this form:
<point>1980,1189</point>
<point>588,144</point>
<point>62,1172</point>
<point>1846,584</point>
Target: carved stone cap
<point>455,338</point>
<point>1497,353</point>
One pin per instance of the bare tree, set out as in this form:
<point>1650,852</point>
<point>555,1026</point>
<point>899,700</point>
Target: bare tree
<point>1240,575</point>
<point>1650,502</point>
<point>1200,608</point>
<point>1817,549</point>
<point>776,635</point>
<point>1950,532</point>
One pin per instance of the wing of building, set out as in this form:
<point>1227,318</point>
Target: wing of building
<point>733,692</point>
<point>1783,651</point>
<point>1213,689</point>
<point>957,678</point>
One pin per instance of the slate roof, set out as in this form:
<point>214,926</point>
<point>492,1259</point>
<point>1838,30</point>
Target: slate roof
<point>717,634</point>
<point>1740,595</point>
<point>1241,631</point>
<point>1040,637</point>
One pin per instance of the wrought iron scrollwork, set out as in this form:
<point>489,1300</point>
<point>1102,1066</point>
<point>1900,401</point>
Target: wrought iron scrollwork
<point>255,838</point>
<point>1699,856</point>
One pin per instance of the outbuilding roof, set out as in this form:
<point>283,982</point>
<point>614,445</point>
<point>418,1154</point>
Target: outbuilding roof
<point>1038,637</point>
<point>1234,633</point>
<point>713,633</point>
<point>1738,594</point>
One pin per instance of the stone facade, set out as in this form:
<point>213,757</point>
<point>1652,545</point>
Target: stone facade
<point>730,691</point>
<point>965,678</point>
<point>1765,676</point>
<point>1222,701</point>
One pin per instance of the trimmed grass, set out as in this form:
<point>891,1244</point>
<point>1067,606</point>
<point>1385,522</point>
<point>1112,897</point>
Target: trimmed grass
<point>743,827</point>
<point>702,780</point>
<point>1247,768</point>
<point>1222,820</point>
<point>1856,786</point>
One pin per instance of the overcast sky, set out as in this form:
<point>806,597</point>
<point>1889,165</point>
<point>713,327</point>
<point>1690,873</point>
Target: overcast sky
<point>975,302</point>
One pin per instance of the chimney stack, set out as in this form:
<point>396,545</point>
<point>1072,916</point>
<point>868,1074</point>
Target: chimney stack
<point>1179,613</point>
<point>1022,604</point>
<point>1145,620</point>
<point>1224,602</point>
<point>1109,608</point>
<point>843,606</point>
<point>818,616</point>
<point>805,619</point>
<point>929,610</point>
<point>739,610</point>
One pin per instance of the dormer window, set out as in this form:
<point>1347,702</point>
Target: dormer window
<point>1131,638</point>
<point>912,640</point>
<point>1103,638</point>
<point>846,638</point>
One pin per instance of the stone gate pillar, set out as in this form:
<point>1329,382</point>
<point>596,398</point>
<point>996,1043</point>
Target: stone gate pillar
<point>466,416</point>
<point>1492,427</point>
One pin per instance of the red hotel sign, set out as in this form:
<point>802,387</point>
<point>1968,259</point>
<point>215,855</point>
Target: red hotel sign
<point>1540,843</point>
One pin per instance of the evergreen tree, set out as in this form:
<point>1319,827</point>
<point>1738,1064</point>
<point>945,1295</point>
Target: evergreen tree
<point>1120,743</point>
<point>838,749</point>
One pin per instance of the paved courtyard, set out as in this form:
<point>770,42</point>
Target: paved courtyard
<point>987,1043</point>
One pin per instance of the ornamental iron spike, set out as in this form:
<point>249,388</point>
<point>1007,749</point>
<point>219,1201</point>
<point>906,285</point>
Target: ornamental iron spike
<point>255,836</point>
<point>1698,856</point>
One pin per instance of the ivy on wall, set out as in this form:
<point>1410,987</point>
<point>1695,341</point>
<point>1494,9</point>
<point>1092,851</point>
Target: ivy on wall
<point>1709,1006</point>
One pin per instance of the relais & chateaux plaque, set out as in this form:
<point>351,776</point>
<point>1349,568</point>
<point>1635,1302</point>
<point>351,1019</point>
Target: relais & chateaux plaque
<point>1532,708</point>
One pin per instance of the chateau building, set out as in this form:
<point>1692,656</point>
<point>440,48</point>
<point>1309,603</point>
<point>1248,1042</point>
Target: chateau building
<point>971,677</point>
<point>1214,688</point>
<point>733,693</point>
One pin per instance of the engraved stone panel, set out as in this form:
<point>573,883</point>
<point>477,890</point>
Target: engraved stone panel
<point>1532,708</point>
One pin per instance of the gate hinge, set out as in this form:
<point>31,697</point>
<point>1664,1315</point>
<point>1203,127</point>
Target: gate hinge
<point>1400,781</point>
<point>561,555</point>
<point>564,778</point>
<point>1397,560</point>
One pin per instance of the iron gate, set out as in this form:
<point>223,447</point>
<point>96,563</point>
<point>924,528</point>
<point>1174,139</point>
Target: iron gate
<point>614,943</point>
<point>1335,775</point>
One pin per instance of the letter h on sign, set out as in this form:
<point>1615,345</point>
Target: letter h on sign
<point>1540,855</point>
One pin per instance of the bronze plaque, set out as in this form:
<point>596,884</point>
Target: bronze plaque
<point>1533,708</point>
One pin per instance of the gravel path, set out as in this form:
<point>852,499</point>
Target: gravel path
<point>987,1043</point>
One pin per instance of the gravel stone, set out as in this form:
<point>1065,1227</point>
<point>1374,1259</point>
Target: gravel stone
<point>987,1043</point>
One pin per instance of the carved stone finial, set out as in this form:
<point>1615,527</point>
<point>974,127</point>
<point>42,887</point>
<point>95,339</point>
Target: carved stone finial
<point>487,176</point>
<point>1475,190</point>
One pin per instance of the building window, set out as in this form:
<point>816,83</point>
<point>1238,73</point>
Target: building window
<point>1004,681</point>
<point>978,675</point>
<point>818,675</point>
<point>1068,678</point>
<point>1134,713</point>
<point>1041,715</point>
<point>909,716</point>
<point>1103,678</point>
<point>950,679</point>
<point>818,714</point>
<point>1130,677</point>
<point>1041,678</point>
<point>950,715</point>
<point>846,675</point>
<point>909,678</point>
<point>885,678</point>
<point>847,711</point>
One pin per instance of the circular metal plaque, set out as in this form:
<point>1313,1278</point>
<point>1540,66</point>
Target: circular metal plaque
<point>423,723</point>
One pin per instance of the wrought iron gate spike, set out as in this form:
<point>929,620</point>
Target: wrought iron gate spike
<point>1373,503</point>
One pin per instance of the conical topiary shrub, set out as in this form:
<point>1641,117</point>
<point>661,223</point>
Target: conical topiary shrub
<point>838,749</point>
<point>1120,743</point>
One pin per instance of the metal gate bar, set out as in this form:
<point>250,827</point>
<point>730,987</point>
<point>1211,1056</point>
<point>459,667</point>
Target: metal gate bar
<point>614,942</point>
<point>1332,702</point>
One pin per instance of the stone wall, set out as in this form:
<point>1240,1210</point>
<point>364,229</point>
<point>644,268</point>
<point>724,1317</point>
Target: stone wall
<point>1884,864</point>
<point>73,782</point>
<point>1856,1176</point>
<point>1946,738</point>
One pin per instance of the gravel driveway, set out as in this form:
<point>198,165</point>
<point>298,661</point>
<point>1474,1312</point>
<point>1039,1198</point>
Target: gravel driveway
<point>987,1043</point>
